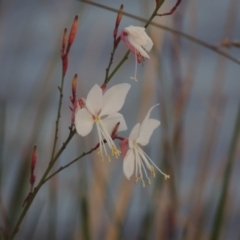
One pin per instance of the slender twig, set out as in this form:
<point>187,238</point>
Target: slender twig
<point>79,157</point>
<point>70,163</point>
<point>172,10</point>
<point>173,31</point>
<point>58,118</point>
<point>109,66</point>
<point>36,189</point>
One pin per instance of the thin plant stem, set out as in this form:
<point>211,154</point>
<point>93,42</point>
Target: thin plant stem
<point>173,31</point>
<point>70,163</point>
<point>58,117</point>
<point>36,189</point>
<point>109,64</point>
<point>226,181</point>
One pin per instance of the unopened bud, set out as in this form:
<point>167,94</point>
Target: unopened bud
<point>72,33</point>
<point>124,147</point>
<point>119,16</point>
<point>64,41</point>
<point>81,102</point>
<point>34,157</point>
<point>74,85</point>
<point>118,20</point>
<point>64,64</point>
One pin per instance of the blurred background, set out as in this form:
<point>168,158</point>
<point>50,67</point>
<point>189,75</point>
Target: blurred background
<point>196,143</point>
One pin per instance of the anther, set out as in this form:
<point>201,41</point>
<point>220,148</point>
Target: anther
<point>152,171</point>
<point>166,177</point>
<point>149,181</point>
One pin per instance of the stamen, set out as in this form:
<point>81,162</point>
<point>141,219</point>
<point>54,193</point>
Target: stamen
<point>144,155</point>
<point>149,181</point>
<point>115,152</point>
<point>143,183</point>
<point>136,63</point>
<point>152,171</point>
<point>166,176</point>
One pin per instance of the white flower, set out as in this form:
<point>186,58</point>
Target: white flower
<point>102,110</point>
<point>138,42</point>
<point>136,159</point>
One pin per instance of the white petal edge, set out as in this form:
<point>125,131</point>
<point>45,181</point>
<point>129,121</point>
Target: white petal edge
<point>147,131</point>
<point>134,134</point>
<point>94,100</point>
<point>114,98</point>
<point>149,43</point>
<point>138,47</point>
<point>111,121</point>
<point>128,164</point>
<point>83,122</point>
<point>147,117</point>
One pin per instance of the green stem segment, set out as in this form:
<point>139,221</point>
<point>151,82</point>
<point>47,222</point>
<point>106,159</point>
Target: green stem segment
<point>58,118</point>
<point>70,163</point>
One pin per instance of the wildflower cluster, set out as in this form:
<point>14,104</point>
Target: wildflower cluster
<point>101,109</point>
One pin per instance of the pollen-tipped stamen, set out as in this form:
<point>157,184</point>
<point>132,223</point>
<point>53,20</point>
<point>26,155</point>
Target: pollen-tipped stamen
<point>136,63</point>
<point>146,157</point>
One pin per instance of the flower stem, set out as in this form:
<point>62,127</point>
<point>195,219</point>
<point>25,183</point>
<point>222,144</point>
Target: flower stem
<point>70,163</point>
<point>58,117</point>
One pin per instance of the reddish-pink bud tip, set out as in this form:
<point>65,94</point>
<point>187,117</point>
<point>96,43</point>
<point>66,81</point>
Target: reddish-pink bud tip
<point>34,157</point>
<point>64,41</point>
<point>103,87</point>
<point>119,16</point>
<point>74,84</point>
<point>73,31</point>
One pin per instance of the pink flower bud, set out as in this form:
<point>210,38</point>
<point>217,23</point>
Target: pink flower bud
<point>34,157</point>
<point>73,33</point>
<point>74,86</point>
<point>124,147</point>
<point>64,42</point>
<point>64,64</point>
<point>119,16</point>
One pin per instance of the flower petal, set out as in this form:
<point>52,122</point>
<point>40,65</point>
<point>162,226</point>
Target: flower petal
<point>114,98</point>
<point>134,135</point>
<point>139,39</point>
<point>146,131</point>
<point>83,122</point>
<point>111,121</point>
<point>147,116</point>
<point>128,164</point>
<point>138,47</point>
<point>144,135</point>
<point>94,100</point>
